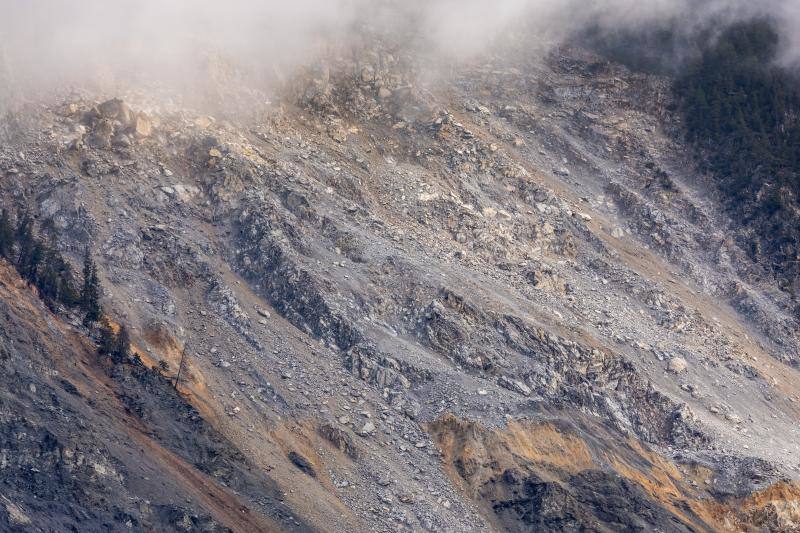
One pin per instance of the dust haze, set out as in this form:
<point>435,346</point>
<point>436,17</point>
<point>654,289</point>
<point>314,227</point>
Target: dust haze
<point>46,44</point>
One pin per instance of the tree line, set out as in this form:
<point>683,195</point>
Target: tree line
<point>744,111</point>
<point>741,111</point>
<point>39,262</point>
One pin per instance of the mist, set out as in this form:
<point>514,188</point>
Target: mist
<point>48,44</point>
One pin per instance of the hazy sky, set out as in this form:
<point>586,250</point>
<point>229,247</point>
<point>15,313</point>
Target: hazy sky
<point>61,41</point>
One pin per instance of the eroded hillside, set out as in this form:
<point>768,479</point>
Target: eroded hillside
<point>502,301</point>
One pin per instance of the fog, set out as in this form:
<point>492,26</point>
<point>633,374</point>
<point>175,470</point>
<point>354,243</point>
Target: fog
<point>56,43</point>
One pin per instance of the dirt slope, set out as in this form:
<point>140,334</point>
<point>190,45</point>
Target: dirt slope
<point>471,305</point>
<point>78,457</point>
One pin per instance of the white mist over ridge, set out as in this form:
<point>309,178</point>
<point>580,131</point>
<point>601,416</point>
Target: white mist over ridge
<point>46,43</point>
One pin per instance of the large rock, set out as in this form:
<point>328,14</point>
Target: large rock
<point>142,126</point>
<point>116,109</point>
<point>514,385</point>
<point>677,365</point>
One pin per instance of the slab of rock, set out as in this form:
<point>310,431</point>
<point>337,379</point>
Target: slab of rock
<point>677,365</point>
<point>366,430</point>
<point>142,126</point>
<point>514,385</point>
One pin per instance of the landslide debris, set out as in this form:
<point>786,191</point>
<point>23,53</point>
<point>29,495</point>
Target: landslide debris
<point>90,446</point>
<point>496,302</point>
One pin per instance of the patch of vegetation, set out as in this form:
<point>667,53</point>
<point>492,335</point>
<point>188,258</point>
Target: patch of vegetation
<point>658,49</point>
<point>742,112</point>
<point>38,261</point>
<point>90,290</point>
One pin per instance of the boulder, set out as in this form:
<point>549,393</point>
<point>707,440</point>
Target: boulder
<point>116,109</point>
<point>142,126</point>
<point>367,429</point>
<point>677,365</point>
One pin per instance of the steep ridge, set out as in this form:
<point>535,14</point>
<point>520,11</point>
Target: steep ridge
<point>90,447</point>
<point>541,476</point>
<point>499,302</point>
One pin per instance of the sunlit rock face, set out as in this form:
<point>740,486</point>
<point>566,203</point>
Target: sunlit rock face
<point>380,286</point>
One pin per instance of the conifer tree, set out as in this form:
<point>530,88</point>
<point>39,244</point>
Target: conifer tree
<point>47,280</point>
<point>29,255</point>
<point>108,340</point>
<point>24,226</point>
<point>122,345</point>
<point>6,236</point>
<point>54,279</point>
<point>90,291</point>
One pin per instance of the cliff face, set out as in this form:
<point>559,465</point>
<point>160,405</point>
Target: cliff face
<point>503,301</point>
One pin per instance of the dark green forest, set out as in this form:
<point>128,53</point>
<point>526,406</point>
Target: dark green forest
<point>740,111</point>
<point>743,111</point>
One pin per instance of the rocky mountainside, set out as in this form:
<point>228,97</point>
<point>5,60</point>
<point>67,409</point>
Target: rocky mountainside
<point>503,301</point>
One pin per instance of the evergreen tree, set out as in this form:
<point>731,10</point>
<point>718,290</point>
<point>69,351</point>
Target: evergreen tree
<point>108,341</point>
<point>67,293</point>
<point>122,345</point>
<point>24,226</point>
<point>55,280</point>
<point>28,255</point>
<point>6,236</point>
<point>47,280</point>
<point>90,291</point>
<point>31,256</point>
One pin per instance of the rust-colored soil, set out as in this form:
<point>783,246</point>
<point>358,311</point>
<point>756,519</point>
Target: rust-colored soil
<point>476,457</point>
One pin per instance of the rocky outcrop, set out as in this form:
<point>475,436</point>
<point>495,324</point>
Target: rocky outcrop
<point>520,246</point>
<point>134,456</point>
<point>538,476</point>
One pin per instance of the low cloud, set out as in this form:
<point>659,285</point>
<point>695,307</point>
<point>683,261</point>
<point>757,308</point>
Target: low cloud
<point>57,43</point>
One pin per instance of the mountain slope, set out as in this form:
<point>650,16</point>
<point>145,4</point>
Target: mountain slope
<point>498,302</point>
<point>90,447</point>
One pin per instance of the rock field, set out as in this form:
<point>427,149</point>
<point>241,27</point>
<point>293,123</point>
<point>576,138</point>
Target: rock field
<point>506,301</point>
